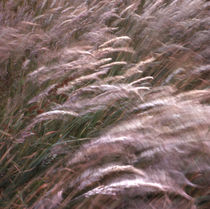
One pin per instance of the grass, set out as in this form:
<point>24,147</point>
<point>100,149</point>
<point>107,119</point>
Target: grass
<point>104,104</point>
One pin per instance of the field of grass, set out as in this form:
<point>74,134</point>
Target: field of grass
<point>104,104</point>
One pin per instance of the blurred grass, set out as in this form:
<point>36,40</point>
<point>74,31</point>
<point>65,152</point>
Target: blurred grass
<point>47,47</point>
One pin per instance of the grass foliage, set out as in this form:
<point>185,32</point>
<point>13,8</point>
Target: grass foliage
<point>104,104</point>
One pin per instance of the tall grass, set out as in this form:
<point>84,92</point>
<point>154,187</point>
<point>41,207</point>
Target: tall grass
<point>104,104</point>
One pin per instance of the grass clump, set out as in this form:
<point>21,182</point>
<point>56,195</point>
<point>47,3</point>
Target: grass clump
<point>104,104</point>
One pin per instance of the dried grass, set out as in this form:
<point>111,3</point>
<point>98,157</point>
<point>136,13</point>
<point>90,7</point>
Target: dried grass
<point>104,104</point>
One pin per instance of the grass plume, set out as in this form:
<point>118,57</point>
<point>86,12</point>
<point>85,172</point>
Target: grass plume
<point>104,104</point>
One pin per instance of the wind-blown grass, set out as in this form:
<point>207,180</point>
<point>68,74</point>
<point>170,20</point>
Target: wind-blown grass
<point>104,104</point>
